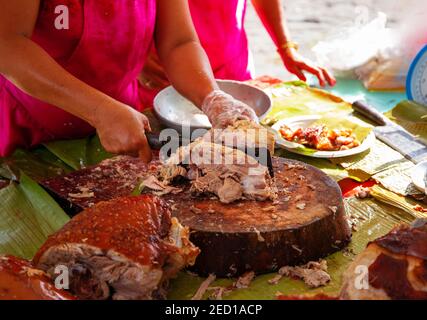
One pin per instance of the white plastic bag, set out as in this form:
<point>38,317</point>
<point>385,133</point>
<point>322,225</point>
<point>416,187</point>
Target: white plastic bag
<point>354,46</point>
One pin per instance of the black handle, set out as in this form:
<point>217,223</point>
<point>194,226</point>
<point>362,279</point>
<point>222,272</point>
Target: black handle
<point>371,113</point>
<point>154,140</point>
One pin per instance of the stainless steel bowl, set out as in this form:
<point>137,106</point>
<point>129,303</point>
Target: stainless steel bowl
<point>175,111</point>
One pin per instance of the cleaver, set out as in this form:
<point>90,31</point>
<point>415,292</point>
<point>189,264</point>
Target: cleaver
<point>392,134</point>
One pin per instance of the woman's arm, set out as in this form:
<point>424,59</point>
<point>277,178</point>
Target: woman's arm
<point>181,53</point>
<point>188,67</point>
<point>272,16</point>
<point>29,67</point>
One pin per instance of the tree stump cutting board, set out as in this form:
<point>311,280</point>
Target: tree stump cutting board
<point>305,223</point>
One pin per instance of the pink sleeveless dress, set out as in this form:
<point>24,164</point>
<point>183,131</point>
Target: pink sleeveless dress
<point>220,26</point>
<point>105,46</point>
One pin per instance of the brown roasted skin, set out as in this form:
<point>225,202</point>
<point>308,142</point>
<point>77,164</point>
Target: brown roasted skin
<point>406,240</point>
<point>20,281</point>
<point>134,227</point>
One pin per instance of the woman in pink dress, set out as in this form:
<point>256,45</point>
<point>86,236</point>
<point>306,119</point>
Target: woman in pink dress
<point>220,27</point>
<point>70,67</point>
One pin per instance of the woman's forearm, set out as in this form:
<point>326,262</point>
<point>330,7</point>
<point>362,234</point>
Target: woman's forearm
<point>272,16</point>
<point>184,59</point>
<point>31,69</point>
<point>189,71</point>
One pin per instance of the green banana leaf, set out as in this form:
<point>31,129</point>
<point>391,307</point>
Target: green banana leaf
<point>375,221</point>
<point>333,170</point>
<point>79,153</point>
<point>412,116</point>
<point>294,99</point>
<point>28,215</point>
<point>38,164</point>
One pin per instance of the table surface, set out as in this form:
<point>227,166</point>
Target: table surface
<point>352,90</point>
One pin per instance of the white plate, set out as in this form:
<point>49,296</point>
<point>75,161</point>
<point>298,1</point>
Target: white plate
<point>307,121</point>
<point>418,174</point>
<point>176,112</point>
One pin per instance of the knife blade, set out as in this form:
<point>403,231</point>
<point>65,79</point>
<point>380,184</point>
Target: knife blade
<point>393,134</point>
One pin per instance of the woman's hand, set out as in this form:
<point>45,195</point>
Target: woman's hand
<point>122,131</point>
<point>223,110</point>
<point>296,64</point>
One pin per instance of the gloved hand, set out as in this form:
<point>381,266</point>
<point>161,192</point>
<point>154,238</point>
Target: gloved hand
<point>223,110</point>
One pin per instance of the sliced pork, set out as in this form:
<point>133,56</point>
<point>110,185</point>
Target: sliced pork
<point>225,172</point>
<point>242,134</point>
<point>127,248</point>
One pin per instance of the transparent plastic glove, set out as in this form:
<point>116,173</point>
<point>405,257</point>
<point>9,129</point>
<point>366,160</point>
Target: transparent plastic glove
<point>223,110</point>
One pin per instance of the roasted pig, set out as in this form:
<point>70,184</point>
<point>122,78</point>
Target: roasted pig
<point>126,248</point>
<point>392,267</point>
<point>19,280</point>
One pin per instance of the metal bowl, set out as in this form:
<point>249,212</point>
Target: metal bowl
<point>175,111</point>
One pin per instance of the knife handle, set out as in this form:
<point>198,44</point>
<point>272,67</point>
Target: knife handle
<point>154,140</point>
<point>371,113</point>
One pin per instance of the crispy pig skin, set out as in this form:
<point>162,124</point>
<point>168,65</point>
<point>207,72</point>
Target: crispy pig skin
<point>396,264</point>
<point>132,226</point>
<point>20,281</point>
<point>130,244</point>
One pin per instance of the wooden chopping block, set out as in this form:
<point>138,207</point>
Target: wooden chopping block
<point>306,222</point>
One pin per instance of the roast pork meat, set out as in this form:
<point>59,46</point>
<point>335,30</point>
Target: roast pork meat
<point>392,267</point>
<point>225,172</point>
<point>127,248</point>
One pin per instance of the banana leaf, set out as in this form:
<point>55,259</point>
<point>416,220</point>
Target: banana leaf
<point>404,203</point>
<point>294,99</point>
<point>79,153</point>
<point>28,215</point>
<point>38,164</point>
<point>334,171</point>
<point>412,116</point>
<point>374,220</point>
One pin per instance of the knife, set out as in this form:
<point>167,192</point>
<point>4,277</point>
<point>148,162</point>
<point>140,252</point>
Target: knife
<point>256,153</point>
<point>393,134</point>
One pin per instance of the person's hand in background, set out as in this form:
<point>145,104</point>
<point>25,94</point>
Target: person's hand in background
<point>223,110</point>
<point>121,130</point>
<point>297,64</point>
<point>272,15</point>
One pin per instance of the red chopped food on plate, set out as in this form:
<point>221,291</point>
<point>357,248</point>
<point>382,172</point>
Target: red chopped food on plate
<point>321,138</point>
